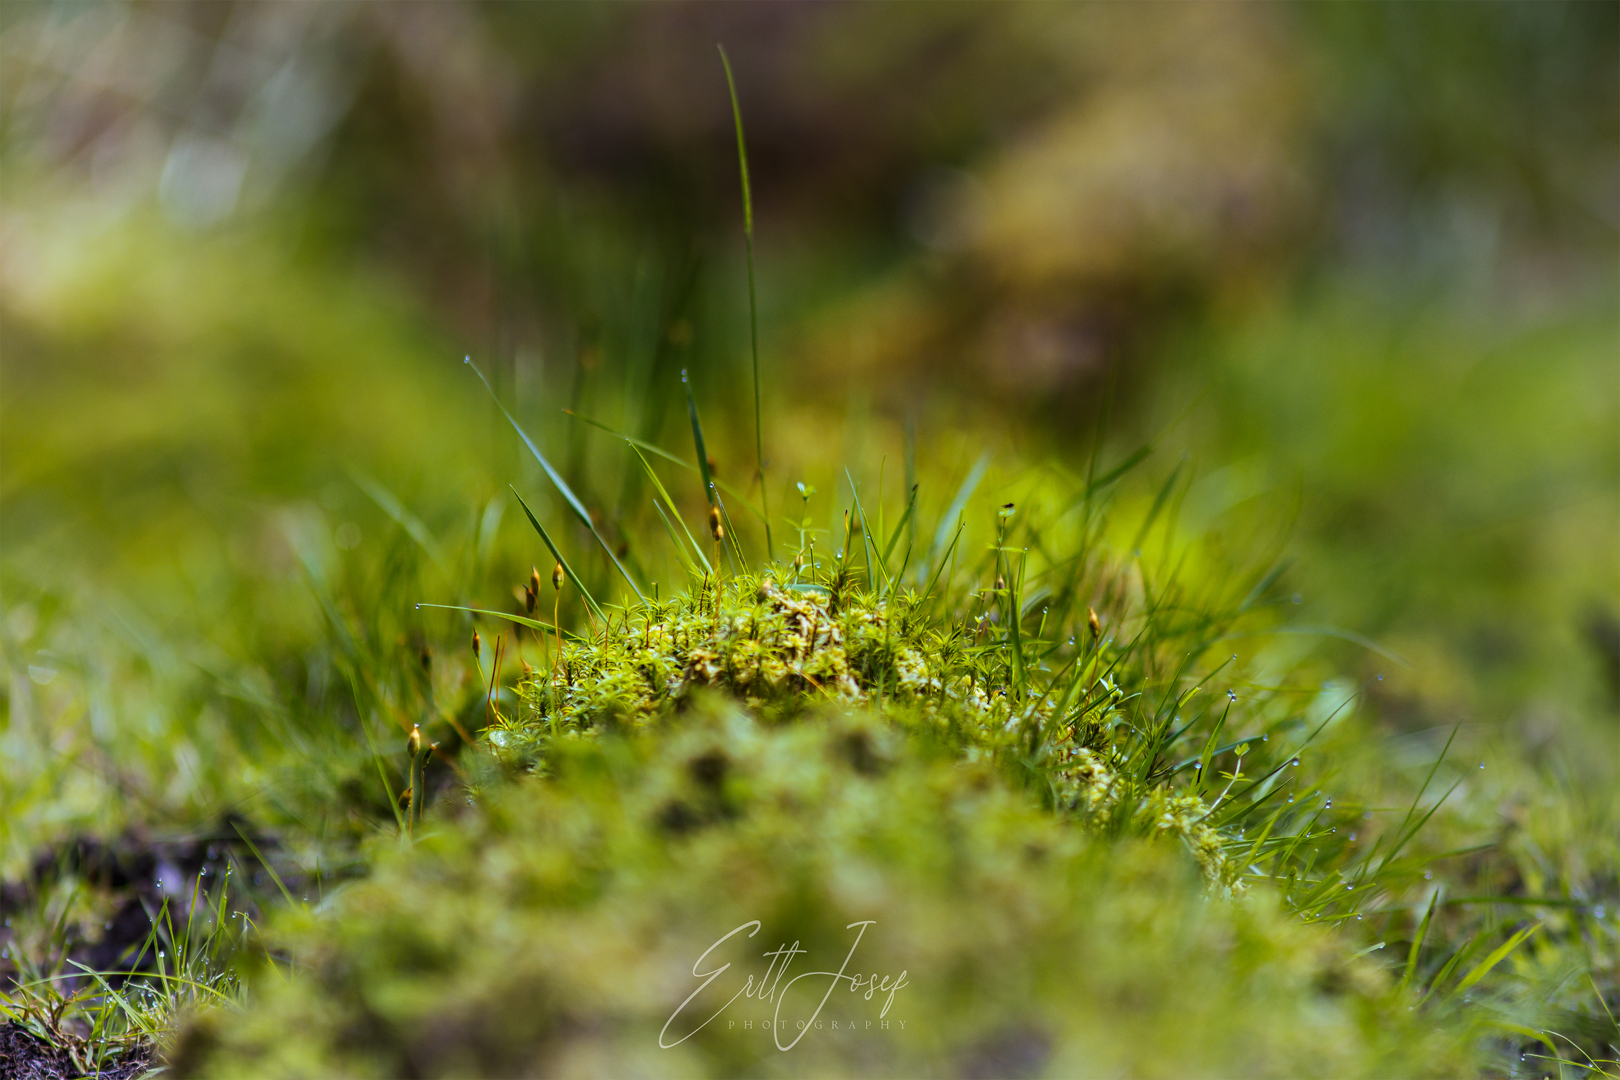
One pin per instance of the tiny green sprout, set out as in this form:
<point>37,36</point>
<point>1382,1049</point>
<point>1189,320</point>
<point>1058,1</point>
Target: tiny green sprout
<point>806,490</point>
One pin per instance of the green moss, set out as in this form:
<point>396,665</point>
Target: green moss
<point>784,650</point>
<point>554,929</point>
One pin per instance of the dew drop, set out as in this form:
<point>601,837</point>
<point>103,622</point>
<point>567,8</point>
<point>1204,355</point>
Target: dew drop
<point>1482,764</point>
<point>1231,696</point>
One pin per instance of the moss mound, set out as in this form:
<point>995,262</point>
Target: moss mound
<point>557,929</point>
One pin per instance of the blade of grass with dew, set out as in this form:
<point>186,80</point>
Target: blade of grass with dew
<point>585,593</point>
<point>753,302</point>
<point>557,480</point>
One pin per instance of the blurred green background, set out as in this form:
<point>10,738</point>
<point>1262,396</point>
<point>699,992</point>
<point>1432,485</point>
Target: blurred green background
<point>1355,263</point>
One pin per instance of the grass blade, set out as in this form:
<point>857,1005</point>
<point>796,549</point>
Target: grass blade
<point>406,520</point>
<point>557,480</point>
<point>658,486</point>
<point>753,301</point>
<point>275,877</point>
<point>590,600</point>
<point>1417,942</point>
<point>667,456</point>
<point>958,504</point>
<point>533,624</point>
<point>697,441</point>
<point>1483,968</point>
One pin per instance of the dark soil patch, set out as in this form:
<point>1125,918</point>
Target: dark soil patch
<point>140,873</point>
<point>23,1057</point>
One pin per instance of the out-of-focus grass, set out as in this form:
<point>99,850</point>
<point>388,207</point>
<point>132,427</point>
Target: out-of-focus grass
<point>1456,466</point>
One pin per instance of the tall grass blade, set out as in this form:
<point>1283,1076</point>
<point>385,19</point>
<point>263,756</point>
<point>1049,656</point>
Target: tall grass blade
<point>1417,942</point>
<point>590,600</point>
<point>658,486</point>
<point>958,504</point>
<point>697,441</point>
<point>753,301</point>
<point>557,480</point>
<point>642,444</point>
<point>1483,968</point>
<point>533,624</point>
